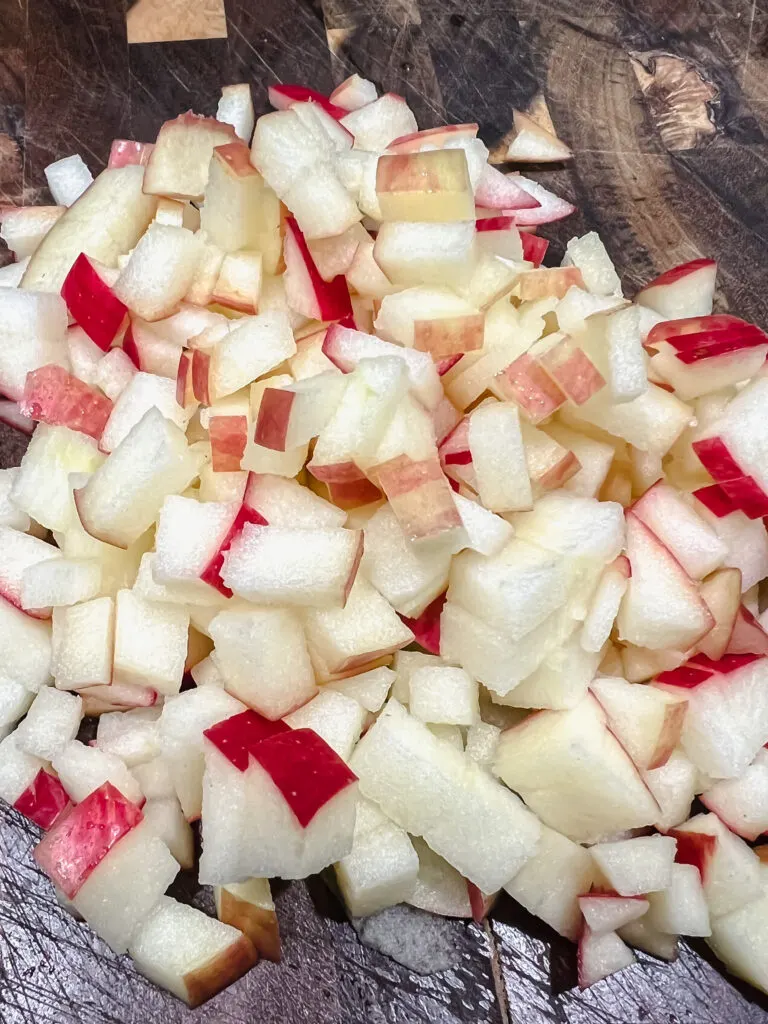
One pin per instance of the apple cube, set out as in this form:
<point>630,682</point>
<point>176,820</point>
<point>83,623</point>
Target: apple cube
<point>18,769</point>
<point>291,416</point>
<point>160,271</point>
<point>336,718</point>
<point>415,253</point>
<point>674,787</point>
<point>498,457</point>
<point>684,291</point>
<point>24,227</point>
<point>425,186</point>
<point>730,871</point>
<point>369,689</point>
<point>681,908</point>
<point>742,803</point>
<point>51,723</point>
<point>44,800</point>
<point>165,819</point>
<point>15,700</point>
<point>444,695</point>
<point>121,499</point>
<point>482,740</point>
<point>420,497</point>
<point>606,602</point>
<point>133,736</point>
<point>646,721</point>
<point>696,547</point>
<point>439,889</point>
<point>238,282</point>
<point>92,303</point>
<point>143,392</point>
<point>643,935</point>
<point>306,291</point>
<point>600,956</point>
<point>738,939</point>
<point>236,108</point>
<point>574,774</point>
<point>25,647</point>
<point>378,124</point>
<point>248,906</point>
<point>632,867</point>
<point>83,769</point>
<point>353,93</point>
<point>178,164</point>
<point>67,179</point>
<point>58,582</point>
<point>35,336</point>
<point>83,644</point>
<point>434,791</point>
<point>381,868</point>
<point>18,552</point>
<point>251,349</point>
<point>263,657</point>
<point>562,678</point>
<point>604,912</point>
<point>188,953</point>
<point>284,502</point>
<point>150,643</point>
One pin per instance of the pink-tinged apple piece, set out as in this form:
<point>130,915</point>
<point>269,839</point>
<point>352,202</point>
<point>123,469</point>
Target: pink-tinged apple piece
<point>237,737</point>
<point>420,496</point>
<point>201,367</point>
<point>228,435</point>
<point>572,369</point>
<point>426,627</point>
<point>534,247</point>
<point>353,93</point>
<point>742,803</point>
<point>54,396</point>
<point>92,303</point>
<point>12,416</point>
<point>747,635</point>
<point>306,291</point>
<point>282,97</point>
<point>438,137</point>
<point>497,191</point>
<point>645,720</point>
<point>722,594</point>
<point>24,227</point>
<point>448,338</point>
<point>212,572</point>
<point>686,676</point>
<point>428,186</point>
<point>534,144</point>
<point>150,351</point>
<point>607,912</point>
<point>531,387</point>
<point>178,165</point>
<point>683,291</point>
<point>550,207</point>
<point>248,906</point>
<point>44,800</point>
<point>693,543</point>
<point>729,870</point>
<point>545,282</point>
<point>716,458</point>
<point>747,495</point>
<point>695,338</point>
<point>80,841</point>
<point>125,151</point>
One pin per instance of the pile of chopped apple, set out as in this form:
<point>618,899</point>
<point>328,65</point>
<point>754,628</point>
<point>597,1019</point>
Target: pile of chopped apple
<point>376,546</point>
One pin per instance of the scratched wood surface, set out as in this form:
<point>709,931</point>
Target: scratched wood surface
<point>665,103</point>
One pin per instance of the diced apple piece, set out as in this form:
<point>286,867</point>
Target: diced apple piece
<point>534,144</point>
<point>44,800</point>
<point>444,695</point>
<point>84,769</point>
<point>284,502</point>
<point>51,723</point>
<point>133,736</point>
<point>369,689</point>
<point>415,253</point>
<point>144,391</point>
<point>18,769</point>
<point>150,643</point>
<point>236,108</point>
<point>574,774</point>
<point>25,647</point>
<point>674,787</point>
<point>742,803</point>
<point>53,396</point>
<point>681,908</point>
<point>24,227</point>
<point>695,546</point>
<point>164,818</point>
<point>738,938</point>
<point>426,186</point>
<point>68,179</point>
<point>730,871</point>
<point>18,552</point>
<point>498,457</point>
<point>353,93</point>
<point>684,291</point>
<point>439,888</point>
<point>159,272</point>
<point>248,906</point>
<point>605,912</point>
<point>420,497</point>
<point>646,721</point>
<point>178,165</point>
<point>380,123</point>
<point>633,867</point>
<point>251,349</point>
<point>292,415</point>
<point>83,641</point>
<point>306,291</point>
<point>336,718</point>
<point>600,956</point>
<point>643,935</point>
<point>34,336</point>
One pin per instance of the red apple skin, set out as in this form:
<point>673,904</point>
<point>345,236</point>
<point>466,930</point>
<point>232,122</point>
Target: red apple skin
<point>426,628</point>
<point>555,281</point>
<point>212,572</point>
<point>92,303</point>
<point>201,366</point>
<point>238,736</point>
<point>353,494</point>
<point>232,963</point>
<point>559,474</point>
<point>130,347</point>
<point>725,665</point>
<point>714,456</point>
<point>126,151</point>
<point>495,191</point>
<point>687,677</point>
<point>449,337</point>
<point>236,157</point>
<point>705,337</point>
<point>258,923</point>
<point>282,97</point>
<point>695,848</point>
<point>500,223</point>
<point>531,387</point>
<point>80,841</point>
<point>670,276</point>
<point>305,769</point>
<point>228,435</point>
<point>716,500</point>
<point>747,495</point>
<point>44,800</point>
<point>274,417</point>
<point>332,297</point>
<point>54,396</point>
<point>534,247</point>
<point>419,494</point>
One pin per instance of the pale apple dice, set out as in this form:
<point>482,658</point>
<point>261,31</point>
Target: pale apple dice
<point>436,792</point>
<point>18,769</point>
<point>681,908</point>
<point>144,391</point>
<point>51,723</point>
<point>133,736</point>
<point>353,93</point>
<point>405,664</point>
<point>283,148</point>
<point>240,211</point>
<point>121,499</point>
<point>364,629</point>
<point>194,594</point>
<point>731,873</point>
<point>236,108</point>
<point>113,373</point>
<point>179,162</point>
<point>643,935</point>
<point>421,253</point>
<point>25,647</point>
<point>727,720</point>
<point>550,883</point>
<point>410,432</point>
<point>684,291</point>
<point>160,271</point>
<point>183,721</point>
<point>59,581</point>
<point>589,254</point>
<point>139,861</point>
<point>154,778</point>
<point>189,536</point>
<point>252,348</point>
<point>83,642</point>
<point>262,654</point>
<point>166,820</point>
<point>574,774</point>
<point>651,422</point>
<point>646,721</point>
<point>595,458</point>
<point>369,689</point>
<point>625,361</point>
<point>15,700</point>
<point>739,937</point>
<point>10,513</point>
<point>24,228</point>
<point>278,565</point>
<point>293,415</point>
<point>742,803</point>
<point>320,203</point>
<point>674,788</point>
<point>600,956</point>
<point>513,592</point>
<point>34,335</point>
<point>487,533</point>
<point>83,769</point>
<point>746,540</point>
<point>696,547</point>
<point>377,124</point>
<point>482,740</point>
<point>18,552</point>
<point>633,867</point>
<point>227,486</point>
<point>150,643</point>
<point>451,734</point>
<point>336,718</point>
<point>605,605</point>
<point>400,313</point>
<point>284,502</point>
<point>439,889</point>
<point>444,695</point>
<point>498,458</point>
<point>661,607</point>
<point>67,179</point>
<point>574,526</point>
<point>560,681</point>
<point>426,186</point>
<point>408,576</point>
<point>606,913</point>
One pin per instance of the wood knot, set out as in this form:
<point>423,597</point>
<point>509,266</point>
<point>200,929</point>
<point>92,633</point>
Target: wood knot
<point>680,98</point>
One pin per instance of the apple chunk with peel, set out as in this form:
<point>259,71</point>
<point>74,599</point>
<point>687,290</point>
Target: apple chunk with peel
<point>160,271</point>
<point>19,552</point>
<point>306,291</point>
<point>645,720</point>
<point>190,954</point>
<point>43,801</point>
<point>53,396</point>
<point>291,416</point>
<point>550,882</point>
<point>722,594</point>
<point>729,869</point>
<point>121,499</point>
<point>427,186</point>
<point>421,498</point>
<point>150,643</point>
<point>278,565</point>
<point>681,908</point>
<point>676,525</point>
<point>662,607</point>
<point>632,867</point>
<point>600,956</point>
<point>83,643</point>
<point>433,790</point>
<point>92,303</point>
<point>35,336</point>
<point>684,291</point>
<point>739,938</point>
<point>604,912</point>
<point>742,803</point>
<point>248,906</point>
<point>574,774</point>
<point>179,162</point>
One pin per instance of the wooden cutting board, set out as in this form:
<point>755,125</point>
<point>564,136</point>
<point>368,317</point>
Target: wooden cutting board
<point>665,105</point>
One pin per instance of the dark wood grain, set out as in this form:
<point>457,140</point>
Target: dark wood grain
<point>665,104</point>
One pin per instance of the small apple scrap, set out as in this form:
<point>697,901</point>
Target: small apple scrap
<point>377,547</point>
